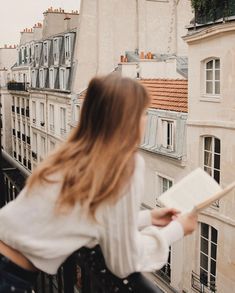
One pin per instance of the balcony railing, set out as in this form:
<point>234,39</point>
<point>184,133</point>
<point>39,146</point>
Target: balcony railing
<point>209,12</point>
<point>199,284</point>
<point>17,86</point>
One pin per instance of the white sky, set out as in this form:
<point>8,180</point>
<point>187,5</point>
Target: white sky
<point>15,15</point>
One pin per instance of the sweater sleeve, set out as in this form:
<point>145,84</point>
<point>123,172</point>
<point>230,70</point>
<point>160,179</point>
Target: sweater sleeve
<point>125,248</point>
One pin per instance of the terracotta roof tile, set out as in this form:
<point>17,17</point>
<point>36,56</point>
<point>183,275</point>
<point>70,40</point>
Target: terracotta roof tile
<point>168,94</point>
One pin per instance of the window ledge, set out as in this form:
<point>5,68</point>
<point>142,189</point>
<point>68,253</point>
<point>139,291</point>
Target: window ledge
<point>211,98</point>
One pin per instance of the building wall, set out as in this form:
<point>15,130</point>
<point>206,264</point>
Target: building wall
<point>110,28</point>
<point>213,115</point>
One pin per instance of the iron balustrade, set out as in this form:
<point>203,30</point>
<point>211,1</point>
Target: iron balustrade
<point>17,86</point>
<point>199,284</point>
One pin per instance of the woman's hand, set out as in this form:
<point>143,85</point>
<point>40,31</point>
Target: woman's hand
<point>163,216</point>
<point>188,222</point>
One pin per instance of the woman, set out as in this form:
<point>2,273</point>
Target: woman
<point>88,192</point>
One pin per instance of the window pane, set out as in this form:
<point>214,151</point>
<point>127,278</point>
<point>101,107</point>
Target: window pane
<point>217,176</point>
<point>209,65</point>
<point>208,170</point>
<point>217,63</point>
<point>204,261</point>
<point>209,87</point>
<point>217,145</point>
<point>208,143</point>
<point>217,74</point>
<point>216,161</point>
<point>217,87</point>
<point>213,251</point>
<point>213,267</point>
<point>204,230</point>
<point>203,277</point>
<point>214,235</point>
<point>207,159</point>
<point>209,75</point>
<point>204,245</point>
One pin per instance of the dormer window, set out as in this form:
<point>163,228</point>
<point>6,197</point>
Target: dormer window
<point>56,50</point>
<point>41,78</point>
<point>23,55</point>
<point>37,53</point>
<point>45,53</point>
<point>67,46</point>
<point>51,78</point>
<point>212,70</point>
<point>63,79</point>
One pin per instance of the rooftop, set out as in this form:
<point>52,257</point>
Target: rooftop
<point>168,94</point>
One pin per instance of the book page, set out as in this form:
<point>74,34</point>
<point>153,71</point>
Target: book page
<point>191,191</point>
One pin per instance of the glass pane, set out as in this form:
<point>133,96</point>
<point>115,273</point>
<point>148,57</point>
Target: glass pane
<point>209,75</point>
<point>217,74</point>
<point>209,65</point>
<point>217,161</point>
<point>213,250</point>
<point>209,87</point>
<point>204,230</point>
<point>217,145</point>
<point>214,235</point>
<point>203,277</point>
<point>217,87</point>
<point>217,63</point>
<point>213,267</point>
<point>204,245</point>
<point>204,261</point>
<point>207,159</point>
<point>208,170</point>
<point>217,176</point>
<point>208,143</point>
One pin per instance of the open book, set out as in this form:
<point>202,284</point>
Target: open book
<point>195,192</point>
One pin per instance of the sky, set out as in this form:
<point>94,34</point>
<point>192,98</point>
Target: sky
<point>15,15</point>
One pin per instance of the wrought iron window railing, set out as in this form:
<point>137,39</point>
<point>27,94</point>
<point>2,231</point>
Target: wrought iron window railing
<point>199,284</point>
<point>17,86</point>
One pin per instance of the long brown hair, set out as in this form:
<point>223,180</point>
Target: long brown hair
<point>97,160</point>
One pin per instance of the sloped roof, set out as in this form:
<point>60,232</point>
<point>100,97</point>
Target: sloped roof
<point>168,94</point>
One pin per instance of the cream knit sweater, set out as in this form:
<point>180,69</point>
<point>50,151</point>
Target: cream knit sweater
<point>127,239</point>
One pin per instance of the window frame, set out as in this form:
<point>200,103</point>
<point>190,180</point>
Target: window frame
<point>51,78</point>
<point>41,78</point>
<point>168,141</point>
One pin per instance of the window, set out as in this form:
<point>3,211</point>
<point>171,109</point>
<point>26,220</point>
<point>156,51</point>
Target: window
<point>51,78</point>
<point>168,134</point>
<point>62,120</point>
<point>42,114</point>
<point>56,51</point>
<point>34,111</point>
<point>67,46</point>
<point>33,78</point>
<point>212,69</point>
<point>37,53</point>
<point>165,272</point>
<point>208,255</point>
<point>43,147</point>
<point>63,79</point>
<point>35,143</point>
<point>212,157</point>
<point>41,78</point>
<point>52,117</point>
<point>45,52</point>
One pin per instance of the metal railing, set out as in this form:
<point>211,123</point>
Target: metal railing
<point>17,86</point>
<point>199,284</point>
